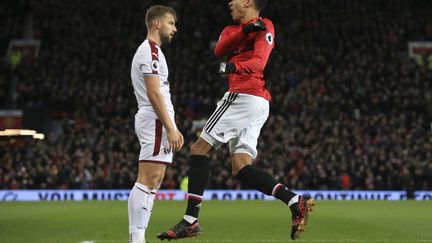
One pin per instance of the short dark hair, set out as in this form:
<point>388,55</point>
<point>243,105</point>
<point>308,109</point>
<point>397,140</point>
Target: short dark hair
<point>260,4</point>
<point>158,11</point>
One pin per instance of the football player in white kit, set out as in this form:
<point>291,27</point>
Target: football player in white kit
<point>154,121</point>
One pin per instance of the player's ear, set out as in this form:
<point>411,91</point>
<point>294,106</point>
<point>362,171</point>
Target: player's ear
<point>157,24</point>
<point>248,3</point>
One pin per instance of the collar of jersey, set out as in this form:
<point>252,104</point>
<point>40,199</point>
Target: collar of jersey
<point>153,42</point>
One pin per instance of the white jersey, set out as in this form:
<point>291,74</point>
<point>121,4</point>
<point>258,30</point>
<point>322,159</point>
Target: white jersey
<point>149,60</point>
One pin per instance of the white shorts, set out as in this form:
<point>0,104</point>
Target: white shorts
<point>153,140</point>
<point>238,120</point>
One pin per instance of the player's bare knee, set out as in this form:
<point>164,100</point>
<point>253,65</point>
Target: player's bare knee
<point>194,149</point>
<point>159,182</point>
<point>152,180</point>
<point>156,181</point>
<point>236,168</point>
<point>234,171</point>
<point>239,161</point>
<point>200,147</point>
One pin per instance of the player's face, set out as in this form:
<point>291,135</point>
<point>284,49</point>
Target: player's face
<point>168,28</point>
<point>237,8</point>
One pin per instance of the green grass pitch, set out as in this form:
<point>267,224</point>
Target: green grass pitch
<point>222,221</point>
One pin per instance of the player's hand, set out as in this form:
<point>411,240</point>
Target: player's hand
<point>257,25</point>
<point>181,140</point>
<point>175,140</point>
<point>225,67</point>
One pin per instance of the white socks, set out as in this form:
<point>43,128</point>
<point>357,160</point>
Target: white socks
<point>293,200</point>
<point>140,204</point>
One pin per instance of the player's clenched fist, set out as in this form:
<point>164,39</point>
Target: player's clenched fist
<point>257,25</point>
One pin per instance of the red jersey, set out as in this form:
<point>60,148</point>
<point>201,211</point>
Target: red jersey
<point>249,54</point>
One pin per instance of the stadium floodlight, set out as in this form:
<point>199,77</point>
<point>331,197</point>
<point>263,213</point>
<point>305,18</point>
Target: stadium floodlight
<point>22,132</point>
<point>39,136</point>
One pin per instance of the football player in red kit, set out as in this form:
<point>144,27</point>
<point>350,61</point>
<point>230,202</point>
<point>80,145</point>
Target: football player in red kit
<point>238,119</point>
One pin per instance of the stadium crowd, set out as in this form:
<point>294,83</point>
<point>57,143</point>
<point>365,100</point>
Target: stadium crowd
<point>350,110</point>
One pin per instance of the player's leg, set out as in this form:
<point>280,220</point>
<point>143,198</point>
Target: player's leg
<point>243,151</point>
<point>153,158</point>
<point>259,179</point>
<point>212,137</point>
<point>300,205</point>
<point>199,168</point>
<point>199,171</point>
<point>141,199</point>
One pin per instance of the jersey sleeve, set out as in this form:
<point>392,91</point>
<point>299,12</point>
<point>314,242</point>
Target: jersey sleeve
<point>264,44</point>
<point>149,61</point>
<point>228,42</point>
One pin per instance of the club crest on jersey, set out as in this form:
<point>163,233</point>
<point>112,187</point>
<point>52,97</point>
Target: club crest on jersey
<point>269,38</point>
<point>155,65</point>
